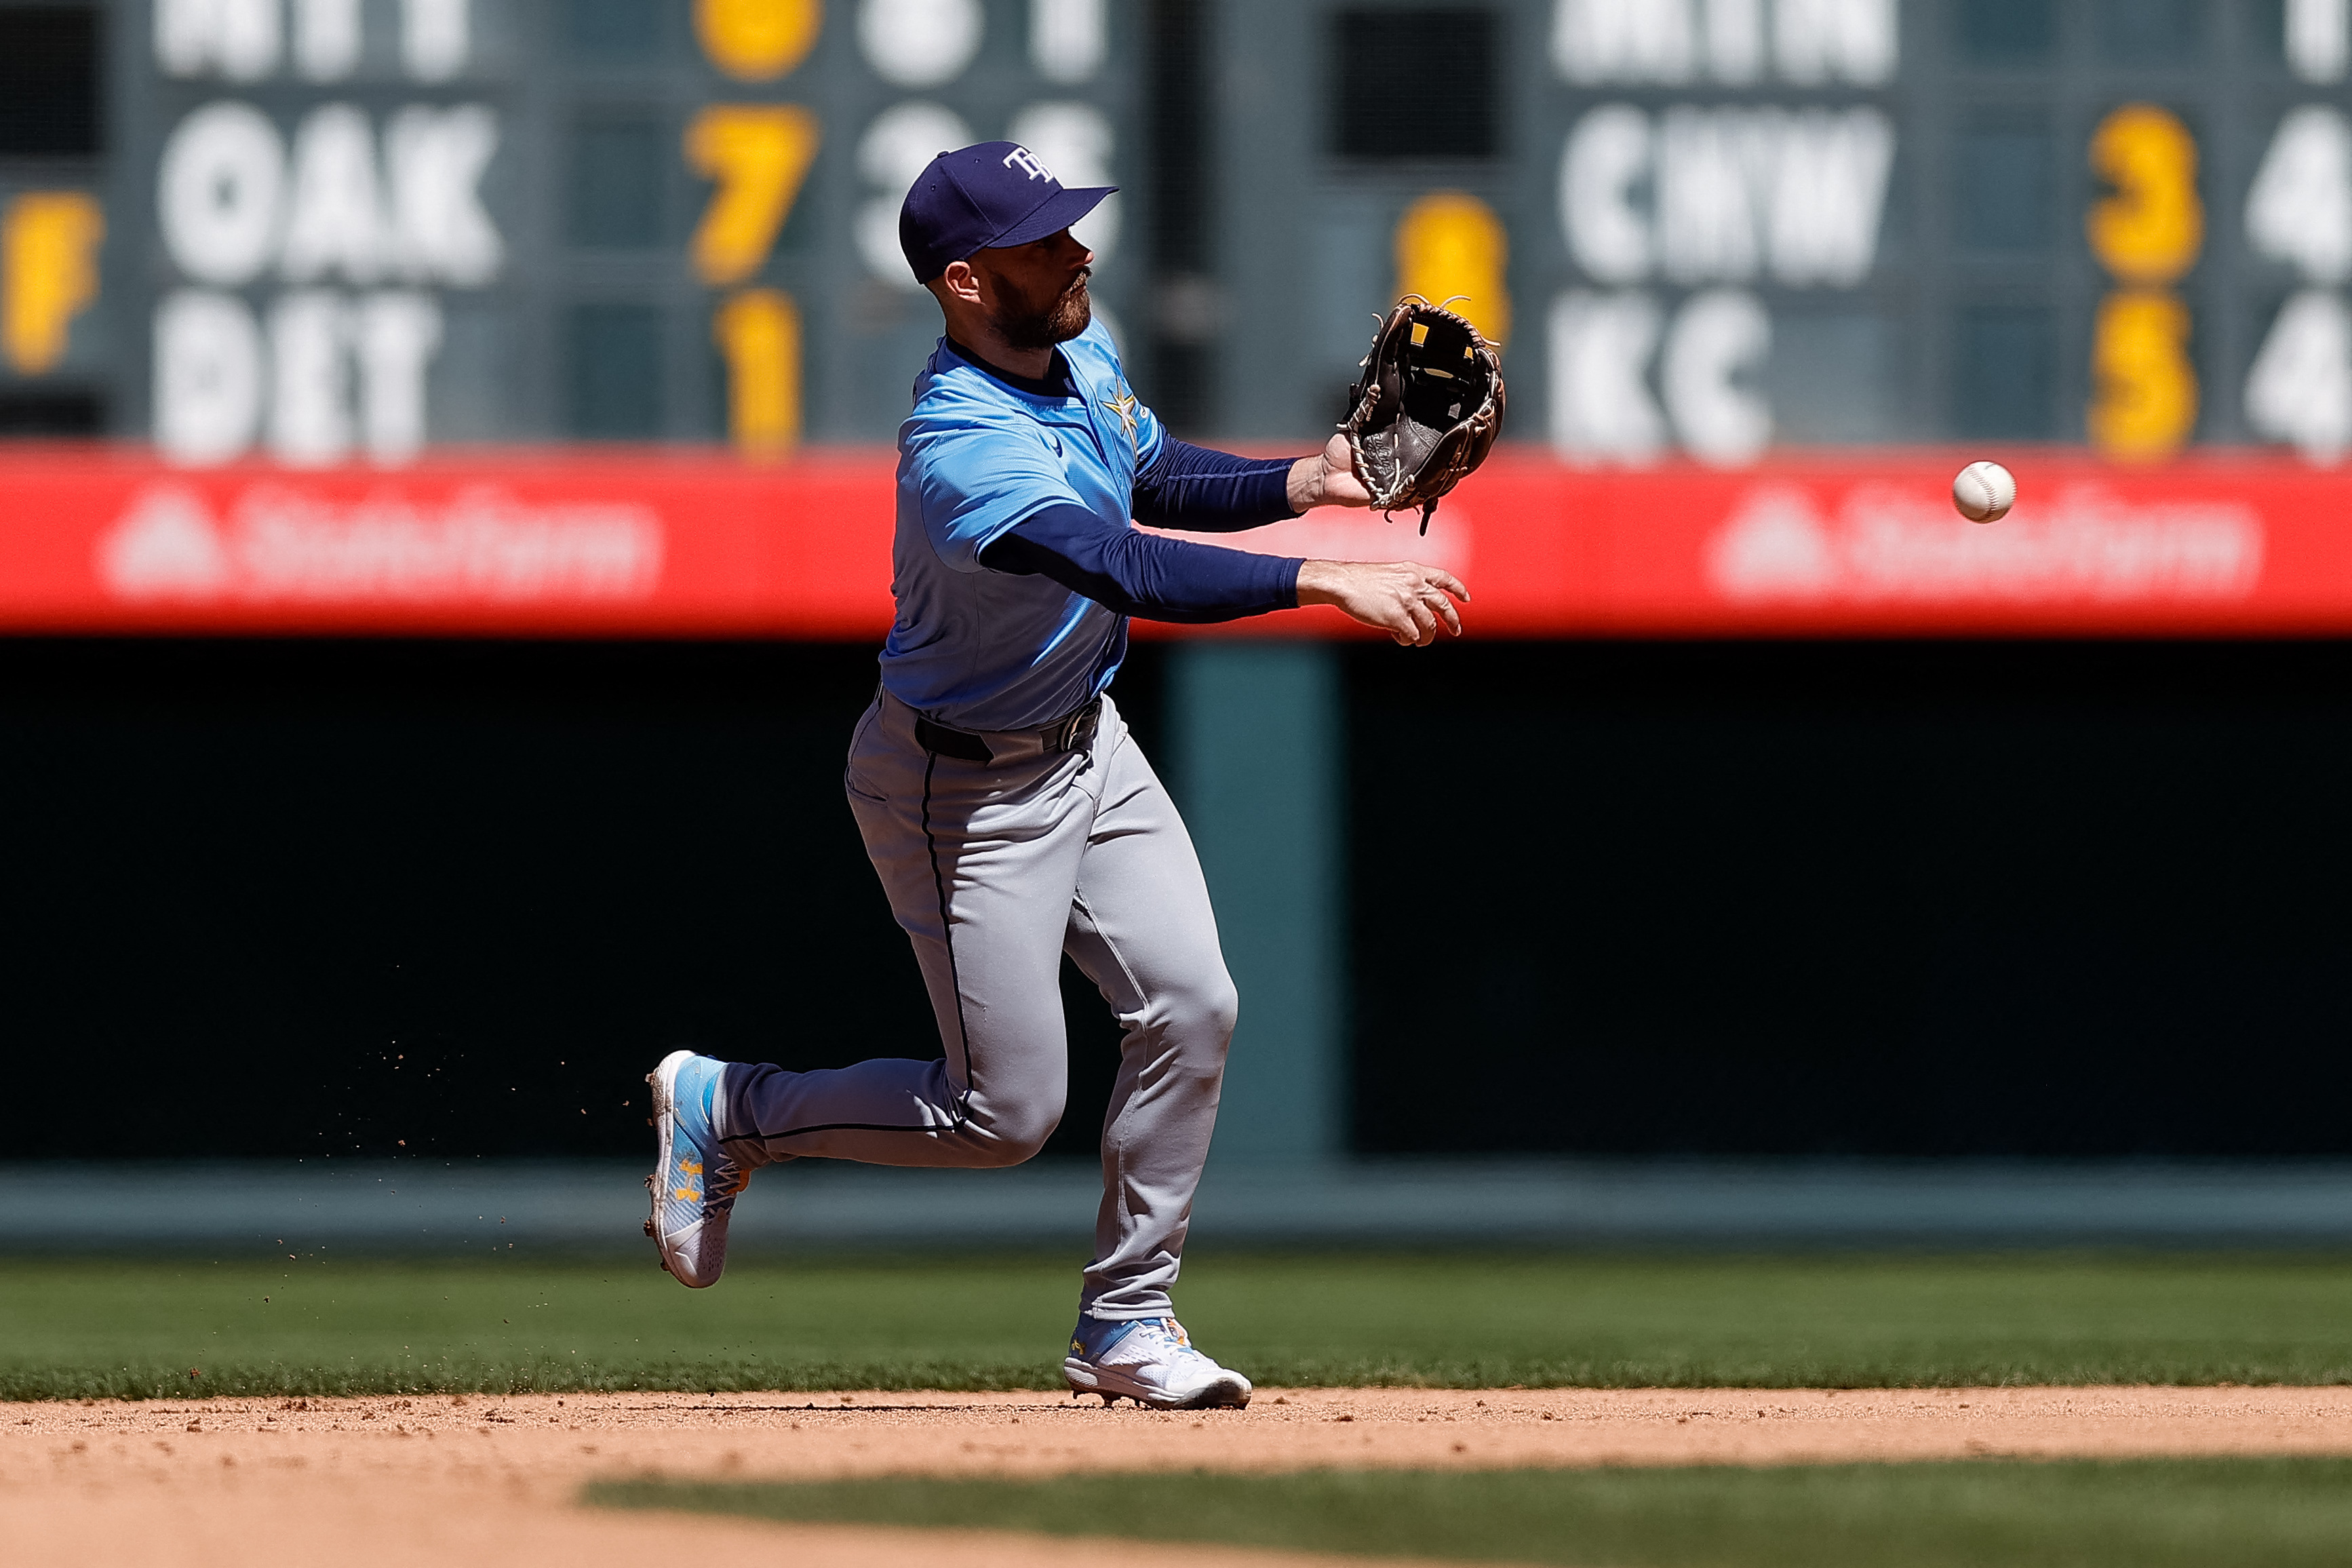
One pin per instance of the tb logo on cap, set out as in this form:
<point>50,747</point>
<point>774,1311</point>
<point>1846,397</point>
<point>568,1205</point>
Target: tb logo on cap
<point>982,197</point>
<point>1026,161</point>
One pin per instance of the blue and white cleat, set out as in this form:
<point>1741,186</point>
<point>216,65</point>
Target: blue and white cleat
<point>1151,1361</point>
<point>695,1183</point>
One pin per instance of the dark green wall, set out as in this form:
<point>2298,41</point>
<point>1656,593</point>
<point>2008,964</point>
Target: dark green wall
<point>1888,899</point>
<point>269,898</point>
<point>293,897</point>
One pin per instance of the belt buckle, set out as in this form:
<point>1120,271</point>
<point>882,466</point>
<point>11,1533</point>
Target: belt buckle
<point>1064,734</point>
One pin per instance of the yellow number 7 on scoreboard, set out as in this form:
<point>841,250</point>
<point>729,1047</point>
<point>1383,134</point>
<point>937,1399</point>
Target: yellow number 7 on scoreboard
<point>759,154</point>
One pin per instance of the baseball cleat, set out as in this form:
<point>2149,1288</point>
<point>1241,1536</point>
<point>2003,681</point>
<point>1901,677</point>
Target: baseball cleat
<point>694,1183</point>
<point>1150,1361</point>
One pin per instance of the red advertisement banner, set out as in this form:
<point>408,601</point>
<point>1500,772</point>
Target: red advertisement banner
<point>665,543</point>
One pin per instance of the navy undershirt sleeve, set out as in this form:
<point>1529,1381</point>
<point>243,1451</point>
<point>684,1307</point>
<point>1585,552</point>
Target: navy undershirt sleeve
<point>1141,575</point>
<point>1202,491</point>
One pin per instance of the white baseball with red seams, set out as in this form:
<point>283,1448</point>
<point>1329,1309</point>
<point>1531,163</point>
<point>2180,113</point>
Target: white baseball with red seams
<point>1984,491</point>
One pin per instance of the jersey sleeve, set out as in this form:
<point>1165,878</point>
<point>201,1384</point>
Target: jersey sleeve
<point>1151,438</point>
<point>1204,491</point>
<point>1138,574</point>
<point>979,478</point>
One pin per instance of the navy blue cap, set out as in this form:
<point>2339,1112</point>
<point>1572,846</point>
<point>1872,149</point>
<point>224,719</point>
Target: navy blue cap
<point>984,196</point>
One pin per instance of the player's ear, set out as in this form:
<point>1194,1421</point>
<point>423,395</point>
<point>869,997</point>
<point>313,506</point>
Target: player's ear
<point>961,280</point>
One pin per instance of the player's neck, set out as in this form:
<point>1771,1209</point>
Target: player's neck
<point>1029,365</point>
<point>975,335</point>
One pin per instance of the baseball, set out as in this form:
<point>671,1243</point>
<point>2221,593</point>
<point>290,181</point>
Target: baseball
<point>1984,493</point>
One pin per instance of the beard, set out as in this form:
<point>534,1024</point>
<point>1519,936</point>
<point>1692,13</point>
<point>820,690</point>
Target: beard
<point>1024,324</point>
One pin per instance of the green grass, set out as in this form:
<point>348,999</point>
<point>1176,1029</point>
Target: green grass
<point>2279,1513</point>
<point>84,1327</point>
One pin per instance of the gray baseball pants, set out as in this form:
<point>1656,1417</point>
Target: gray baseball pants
<point>995,870</point>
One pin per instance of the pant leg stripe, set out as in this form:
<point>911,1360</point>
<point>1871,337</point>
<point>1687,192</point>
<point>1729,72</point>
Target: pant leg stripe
<point>947,935</point>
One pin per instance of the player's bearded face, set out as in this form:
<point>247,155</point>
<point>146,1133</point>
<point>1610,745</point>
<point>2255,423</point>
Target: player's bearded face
<point>1027,322</point>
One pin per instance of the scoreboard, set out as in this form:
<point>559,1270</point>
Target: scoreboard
<point>1710,228</point>
<point>323,233</point>
<point>347,230</point>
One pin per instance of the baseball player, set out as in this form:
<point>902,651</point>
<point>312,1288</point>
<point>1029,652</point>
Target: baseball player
<point>1009,814</point>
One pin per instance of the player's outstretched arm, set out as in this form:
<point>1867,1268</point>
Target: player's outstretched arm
<point>1403,598</point>
<point>1327,479</point>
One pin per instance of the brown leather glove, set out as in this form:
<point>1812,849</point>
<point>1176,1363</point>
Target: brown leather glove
<point>1427,408</point>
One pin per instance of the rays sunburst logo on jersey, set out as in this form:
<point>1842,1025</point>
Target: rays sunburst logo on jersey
<point>1124,405</point>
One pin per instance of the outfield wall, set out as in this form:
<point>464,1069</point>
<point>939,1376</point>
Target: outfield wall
<point>2070,899</point>
<point>1643,895</point>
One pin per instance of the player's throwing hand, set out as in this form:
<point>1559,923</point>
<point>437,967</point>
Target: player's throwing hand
<point>1403,598</point>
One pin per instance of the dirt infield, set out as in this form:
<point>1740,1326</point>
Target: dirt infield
<point>437,1480</point>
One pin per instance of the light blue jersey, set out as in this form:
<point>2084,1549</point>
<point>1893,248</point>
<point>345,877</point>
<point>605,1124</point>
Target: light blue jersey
<point>988,650</point>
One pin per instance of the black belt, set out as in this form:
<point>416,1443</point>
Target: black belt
<point>1065,734</point>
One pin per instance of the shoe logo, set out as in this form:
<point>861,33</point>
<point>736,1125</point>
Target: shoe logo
<point>689,1167</point>
<point>686,1195</point>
